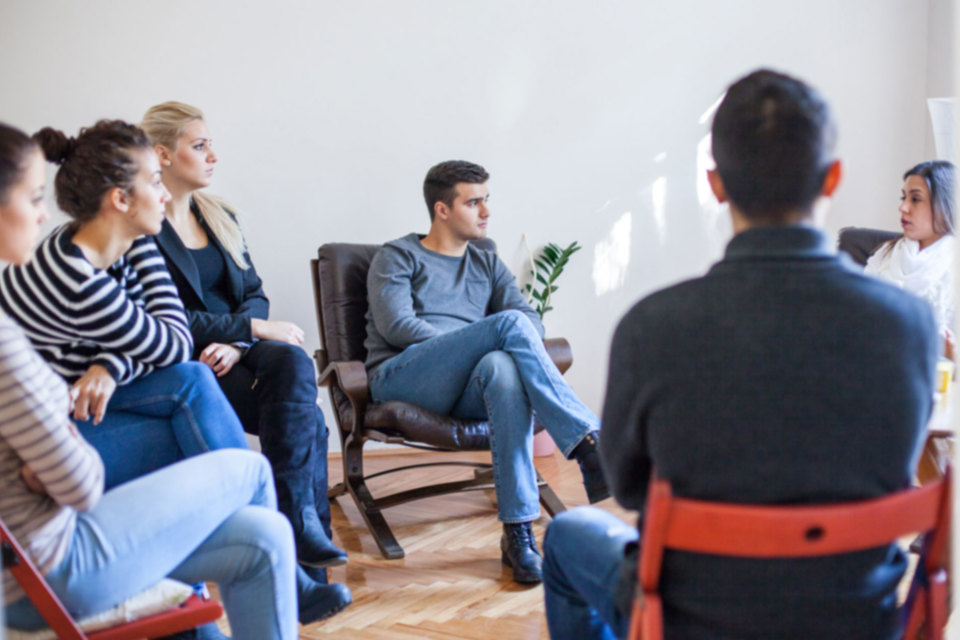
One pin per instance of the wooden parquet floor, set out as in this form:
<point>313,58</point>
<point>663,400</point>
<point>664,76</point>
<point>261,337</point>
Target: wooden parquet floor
<point>451,584</point>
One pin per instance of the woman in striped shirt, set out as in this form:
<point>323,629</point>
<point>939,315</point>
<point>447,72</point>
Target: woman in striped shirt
<point>98,304</point>
<point>96,549</point>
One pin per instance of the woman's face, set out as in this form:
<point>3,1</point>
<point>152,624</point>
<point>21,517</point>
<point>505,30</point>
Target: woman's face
<point>916,212</point>
<point>148,195</point>
<point>22,212</point>
<point>191,163</point>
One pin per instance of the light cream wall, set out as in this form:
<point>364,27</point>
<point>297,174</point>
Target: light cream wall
<point>588,115</point>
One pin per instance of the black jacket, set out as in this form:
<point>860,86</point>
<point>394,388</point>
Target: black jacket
<point>246,291</point>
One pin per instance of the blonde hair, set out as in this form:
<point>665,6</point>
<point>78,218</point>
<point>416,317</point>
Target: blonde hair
<point>164,123</point>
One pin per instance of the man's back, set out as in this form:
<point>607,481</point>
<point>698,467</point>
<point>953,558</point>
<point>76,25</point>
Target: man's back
<point>779,377</point>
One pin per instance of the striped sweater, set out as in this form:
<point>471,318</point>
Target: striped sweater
<point>127,318</point>
<point>35,430</point>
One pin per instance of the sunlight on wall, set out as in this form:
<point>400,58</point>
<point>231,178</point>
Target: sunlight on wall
<point>658,192</point>
<point>611,256</point>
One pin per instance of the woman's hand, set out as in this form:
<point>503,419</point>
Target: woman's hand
<point>220,357</point>
<point>91,393</point>
<point>276,330</point>
<point>31,480</point>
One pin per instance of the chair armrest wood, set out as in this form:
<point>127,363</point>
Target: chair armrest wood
<point>351,378</point>
<point>560,352</point>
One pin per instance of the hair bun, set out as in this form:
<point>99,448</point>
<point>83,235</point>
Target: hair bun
<point>57,147</point>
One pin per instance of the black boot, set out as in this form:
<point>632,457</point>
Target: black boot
<point>317,601</point>
<point>518,548</point>
<point>288,439</point>
<point>589,459</point>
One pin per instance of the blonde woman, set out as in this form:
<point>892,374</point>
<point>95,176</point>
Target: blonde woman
<point>262,369</point>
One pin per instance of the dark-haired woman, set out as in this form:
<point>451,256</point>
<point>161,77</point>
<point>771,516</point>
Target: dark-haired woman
<point>207,518</point>
<point>98,304</point>
<point>266,375</point>
<point>921,260</point>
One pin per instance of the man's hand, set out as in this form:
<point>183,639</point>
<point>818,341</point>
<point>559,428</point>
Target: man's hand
<point>91,393</point>
<point>276,330</point>
<point>31,480</point>
<point>220,357</point>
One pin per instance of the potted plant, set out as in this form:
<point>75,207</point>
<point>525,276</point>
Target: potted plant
<point>544,271</point>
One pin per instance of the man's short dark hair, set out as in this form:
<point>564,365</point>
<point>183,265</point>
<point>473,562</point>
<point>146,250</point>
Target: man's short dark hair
<point>773,142</point>
<point>440,185</point>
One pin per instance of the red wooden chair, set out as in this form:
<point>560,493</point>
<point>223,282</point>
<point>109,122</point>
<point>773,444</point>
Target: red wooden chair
<point>192,613</point>
<point>795,532</point>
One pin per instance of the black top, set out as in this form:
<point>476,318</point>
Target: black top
<point>782,376</point>
<point>242,290</point>
<point>213,278</point>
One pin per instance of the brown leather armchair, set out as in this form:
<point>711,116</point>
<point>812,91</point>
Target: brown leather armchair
<point>340,292</point>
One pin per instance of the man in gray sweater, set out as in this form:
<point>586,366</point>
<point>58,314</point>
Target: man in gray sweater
<point>448,329</point>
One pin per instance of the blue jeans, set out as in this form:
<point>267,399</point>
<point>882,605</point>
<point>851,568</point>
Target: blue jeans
<point>582,553</point>
<point>495,369</point>
<point>173,413</point>
<point>211,517</point>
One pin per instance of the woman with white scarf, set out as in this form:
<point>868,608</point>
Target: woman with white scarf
<point>921,260</point>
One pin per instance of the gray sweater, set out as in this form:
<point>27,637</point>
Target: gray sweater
<point>416,294</point>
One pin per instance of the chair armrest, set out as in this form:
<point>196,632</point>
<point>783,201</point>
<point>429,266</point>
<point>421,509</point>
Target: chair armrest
<point>560,352</point>
<point>351,378</point>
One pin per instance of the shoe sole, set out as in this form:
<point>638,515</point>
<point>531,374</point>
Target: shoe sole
<point>522,578</point>
<point>325,564</point>
<point>329,614</point>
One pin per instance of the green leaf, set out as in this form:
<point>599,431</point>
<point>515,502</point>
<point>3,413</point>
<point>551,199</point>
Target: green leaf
<point>541,279</point>
<point>551,252</point>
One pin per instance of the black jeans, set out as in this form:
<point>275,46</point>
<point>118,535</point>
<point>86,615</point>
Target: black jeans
<point>273,389</point>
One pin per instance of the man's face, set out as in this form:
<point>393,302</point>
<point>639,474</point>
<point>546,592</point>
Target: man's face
<point>467,216</point>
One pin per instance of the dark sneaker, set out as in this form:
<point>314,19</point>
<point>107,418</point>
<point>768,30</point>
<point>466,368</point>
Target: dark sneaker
<point>589,460</point>
<point>317,601</point>
<point>519,551</point>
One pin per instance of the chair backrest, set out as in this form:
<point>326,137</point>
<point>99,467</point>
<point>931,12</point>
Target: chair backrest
<point>861,243</point>
<point>793,532</point>
<point>192,613</point>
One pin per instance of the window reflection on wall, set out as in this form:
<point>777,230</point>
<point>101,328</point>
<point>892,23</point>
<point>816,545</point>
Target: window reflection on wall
<point>611,256</point>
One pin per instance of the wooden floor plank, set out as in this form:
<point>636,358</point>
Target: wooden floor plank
<point>451,584</point>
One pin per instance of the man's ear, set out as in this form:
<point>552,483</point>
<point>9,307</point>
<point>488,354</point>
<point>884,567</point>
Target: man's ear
<point>440,210</point>
<point>119,199</point>
<point>716,185</point>
<point>832,180</point>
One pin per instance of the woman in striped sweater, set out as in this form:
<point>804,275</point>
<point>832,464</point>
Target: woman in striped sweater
<point>98,304</point>
<point>96,549</point>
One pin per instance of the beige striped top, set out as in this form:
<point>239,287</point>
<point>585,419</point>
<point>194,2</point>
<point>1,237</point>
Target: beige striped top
<point>35,429</point>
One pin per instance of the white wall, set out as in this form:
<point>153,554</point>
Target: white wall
<point>326,115</point>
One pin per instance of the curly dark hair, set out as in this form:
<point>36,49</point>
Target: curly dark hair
<point>100,158</point>
<point>440,185</point>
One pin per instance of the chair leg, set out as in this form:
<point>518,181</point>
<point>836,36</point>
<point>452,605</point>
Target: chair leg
<point>550,501</point>
<point>355,484</point>
<point>336,490</point>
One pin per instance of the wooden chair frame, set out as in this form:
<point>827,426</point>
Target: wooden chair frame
<point>795,532</point>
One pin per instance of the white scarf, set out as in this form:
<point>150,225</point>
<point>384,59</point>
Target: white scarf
<point>926,273</point>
